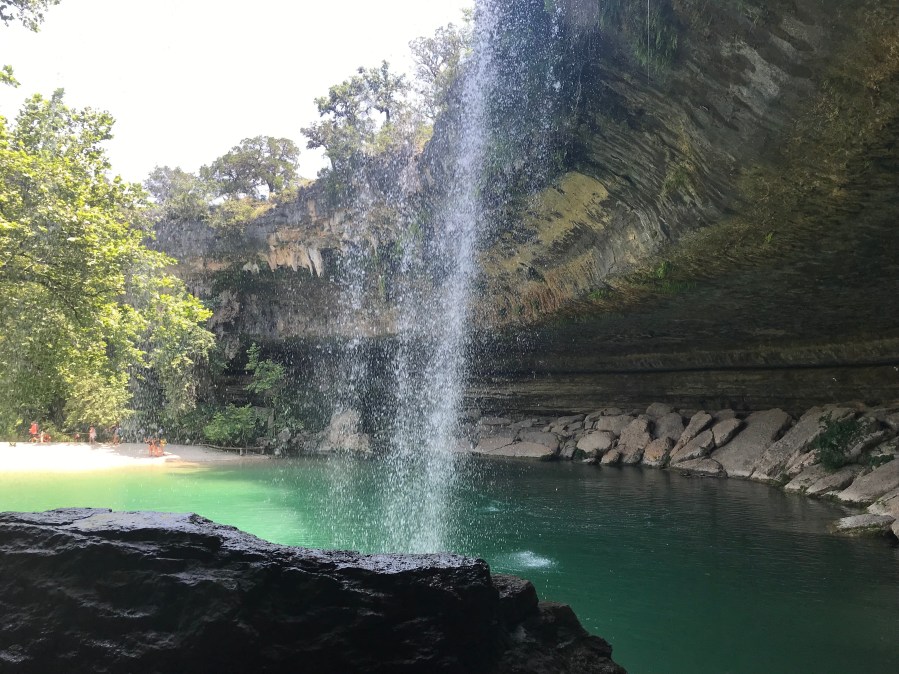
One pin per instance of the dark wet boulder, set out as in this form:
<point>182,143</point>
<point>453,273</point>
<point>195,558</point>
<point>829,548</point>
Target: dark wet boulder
<point>92,590</point>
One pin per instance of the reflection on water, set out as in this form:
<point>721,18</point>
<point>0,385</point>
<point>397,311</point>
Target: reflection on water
<point>681,575</point>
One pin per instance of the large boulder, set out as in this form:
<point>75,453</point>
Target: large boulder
<point>888,504</point>
<point>704,466</point>
<point>816,480</point>
<point>611,458</point>
<point>548,440</point>
<point>868,488</point>
<point>724,430</point>
<point>523,450</point>
<point>656,453</point>
<point>96,591</point>
<point>657,410</point>
<point>698,423</point>
<point>595,444</point>
<point>613,424</point>
<point>668,426</point>
<point>864,525</point>
<point>567,450</point>
<point>834,482</point>
<point>491,444</point>
<point>697,448</point>
<point>805,479</point>
<point>633,441</point>
<point>795,441</point>
<point>740,456</point>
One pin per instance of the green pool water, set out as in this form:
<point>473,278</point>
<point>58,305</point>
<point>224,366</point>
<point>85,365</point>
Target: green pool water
<point>679,574</point>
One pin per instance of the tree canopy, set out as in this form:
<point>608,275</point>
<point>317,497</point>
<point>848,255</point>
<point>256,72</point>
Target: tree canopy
<point>350,125</point>
<point>180,195</point>
<point>29,12</point>
<point>86,308</point>
<point>255,163</point>
<point>436,61</point>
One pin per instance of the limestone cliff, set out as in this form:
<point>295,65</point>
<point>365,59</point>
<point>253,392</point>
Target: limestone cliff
<point>716,224</point>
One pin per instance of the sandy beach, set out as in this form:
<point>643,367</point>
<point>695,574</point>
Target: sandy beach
<point>71,457</point>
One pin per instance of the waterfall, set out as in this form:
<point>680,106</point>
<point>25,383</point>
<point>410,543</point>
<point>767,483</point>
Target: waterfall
<point>434,324</point>
<point>432,287</point>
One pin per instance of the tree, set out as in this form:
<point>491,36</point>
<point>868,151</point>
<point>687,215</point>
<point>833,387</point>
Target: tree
<point>29,12</point>
<point>179,195</point>
<point>263,161</point>
<point>348,128</point>
<point>268,375</point>
<point>85,306</point>
<point>436,61</point>
<point>382,89</point>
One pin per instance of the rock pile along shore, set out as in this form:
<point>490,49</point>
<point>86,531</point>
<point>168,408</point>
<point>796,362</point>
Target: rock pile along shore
<point>767,446</point>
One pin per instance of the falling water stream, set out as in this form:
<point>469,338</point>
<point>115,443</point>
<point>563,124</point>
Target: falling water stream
<point>434,329</point>
<point>427,367</point>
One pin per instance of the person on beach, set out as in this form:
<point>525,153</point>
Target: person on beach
<point>92,435</point>
<point>116,437</point>
<point>34,430</point>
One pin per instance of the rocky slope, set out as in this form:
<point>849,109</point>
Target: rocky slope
<point>92,590</point>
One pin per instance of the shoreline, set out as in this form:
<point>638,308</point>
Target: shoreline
<point>766,446</point>
<point>77,457</point>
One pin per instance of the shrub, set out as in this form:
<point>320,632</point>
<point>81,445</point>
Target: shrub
<point>835,441</point>
<point>232,427</point>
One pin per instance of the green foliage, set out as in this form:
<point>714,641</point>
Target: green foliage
<point>234,214</point>
<point>267,374</point>
<point>835,441</point>
<point>877,460</point>
<point>7,77</point>
<point>384,89</point>
<point>436,62</point>
<point>30,13</point>
<point>351,129</point>
<point>179,195</point>
<point>253,164</point>
<point>84,304</point>
<point>232,427</point>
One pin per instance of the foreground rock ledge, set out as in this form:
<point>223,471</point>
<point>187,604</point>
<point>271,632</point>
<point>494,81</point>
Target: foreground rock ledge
<point>96,590</point>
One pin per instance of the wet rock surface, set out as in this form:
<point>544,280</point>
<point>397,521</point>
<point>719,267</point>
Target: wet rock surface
<point>92,590</point>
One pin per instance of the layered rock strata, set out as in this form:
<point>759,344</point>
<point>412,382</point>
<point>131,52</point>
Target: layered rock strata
<point>89,590</point>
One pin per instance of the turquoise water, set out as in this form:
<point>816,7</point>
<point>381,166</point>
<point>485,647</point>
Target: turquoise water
<point>679,574</point>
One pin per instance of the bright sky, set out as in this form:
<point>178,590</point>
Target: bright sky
<point>188,79</point>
